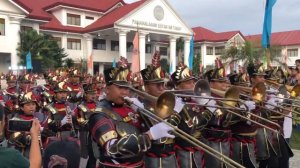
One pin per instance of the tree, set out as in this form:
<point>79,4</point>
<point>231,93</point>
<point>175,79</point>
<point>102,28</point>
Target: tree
<point>69,63</point>
<point>196,64</point>
<point>165,65</point>
<point>180,48</point>
<point>43,48</point>
<point>249,54</point>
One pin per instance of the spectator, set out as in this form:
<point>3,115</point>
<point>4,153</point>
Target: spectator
<point>55,157</point>
<point>13,158</point>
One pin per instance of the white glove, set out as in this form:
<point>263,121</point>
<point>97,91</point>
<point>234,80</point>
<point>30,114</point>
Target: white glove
<point>271,103</point>
<point>201,101</point>
<point>161,130</point>
<point>178,105</point>
<point>250,104</point>
<point>272,91</point>
<point>79,94</point>
<point>65,120</point>
<point>211,103</point>
<point>136,104</point>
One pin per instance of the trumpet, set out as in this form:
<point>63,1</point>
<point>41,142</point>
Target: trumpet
<point>164,106</point>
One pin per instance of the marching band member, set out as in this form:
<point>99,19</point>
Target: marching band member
<point>117,128</point>
<point>83,112</point>
<point>162,152</point>
<point>216,134</point>
<point>60,112</point>
<point>193,120</point>
<point>28,105</point>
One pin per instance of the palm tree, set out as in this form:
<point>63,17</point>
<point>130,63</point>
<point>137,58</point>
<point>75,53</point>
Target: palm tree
<point>250,54</point>
<point>44,49</point>
<point>179,49</point>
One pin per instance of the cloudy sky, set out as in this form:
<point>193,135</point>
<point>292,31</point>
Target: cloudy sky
<point>244,15</point>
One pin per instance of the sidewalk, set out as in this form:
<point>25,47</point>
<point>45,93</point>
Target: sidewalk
<point>295,161</point>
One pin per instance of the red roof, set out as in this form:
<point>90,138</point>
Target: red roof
<point>203,34</point>
<point>109,19</point>
<point>36,9</point>
<point>286,38</point>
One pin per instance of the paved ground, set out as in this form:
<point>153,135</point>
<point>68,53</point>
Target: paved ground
<point>295,161</point>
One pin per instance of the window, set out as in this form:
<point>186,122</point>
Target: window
<point>2,27</point>
<point>114,45</point>
<point>73,19</point>
<point>197,50</point>
<point>74,44</point>
<point>163,50</point>
<point>209,50</point>
<point>25,28</point>
<point>292,52</point>
<point>58,41</point>
<point>148,48</point>
<point>129,47</point>
<point>89,18</point>
<point>99,44</point>
<point>219,50</point>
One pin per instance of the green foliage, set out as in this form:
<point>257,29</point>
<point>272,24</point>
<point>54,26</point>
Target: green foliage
<point>165,65</point>
<point>196,64</point>
<point>249,53</point>
<point>180,48</point>
<point>69,63</point>
<point>42,47</point>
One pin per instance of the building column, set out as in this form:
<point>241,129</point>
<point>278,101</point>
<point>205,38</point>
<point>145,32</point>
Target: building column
<point>122,42</point>
<point>203,55</point>
<point>89,51</point>
<point>142,47</point>
<point>187,46</point>
<point>14,38</point>
<point>173,53</point>
<point>101,68</point>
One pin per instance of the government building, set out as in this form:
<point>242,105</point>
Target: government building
<point>103,30</point>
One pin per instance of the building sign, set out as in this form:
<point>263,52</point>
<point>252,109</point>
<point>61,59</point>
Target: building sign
<point>144,23</point>
<point>159,13</point>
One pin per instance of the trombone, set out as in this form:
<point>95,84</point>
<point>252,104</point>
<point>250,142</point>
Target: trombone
<point>203,90</point>
<point>165,104</point>
<point>262,92</point>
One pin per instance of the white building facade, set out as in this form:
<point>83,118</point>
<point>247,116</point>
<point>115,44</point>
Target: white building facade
<point>103,34</point>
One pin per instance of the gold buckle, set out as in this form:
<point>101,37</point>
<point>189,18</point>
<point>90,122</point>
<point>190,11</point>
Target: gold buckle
<point>107,136</point>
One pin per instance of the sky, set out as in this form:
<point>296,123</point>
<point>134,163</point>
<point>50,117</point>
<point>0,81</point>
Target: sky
<point>243,15</point>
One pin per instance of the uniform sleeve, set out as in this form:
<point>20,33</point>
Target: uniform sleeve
<point>103,131</point>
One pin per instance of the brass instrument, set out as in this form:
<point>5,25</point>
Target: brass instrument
<point>258,96</point>
<point>203,90</point>
<point>69,115</point>
<point>165,106</point>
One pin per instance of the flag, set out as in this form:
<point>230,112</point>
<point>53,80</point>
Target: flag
<point>114,63</point>
<point>90,62</point>
<point>267,27</point>
<point>28,61</point>
<point>191,56</point>
<point>170,68</point>
<point>135,67</point>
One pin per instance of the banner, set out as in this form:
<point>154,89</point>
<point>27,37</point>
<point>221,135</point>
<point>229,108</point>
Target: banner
<point>267,29</point>
<point>135,66</point>
<point>191,56</point>
<point>28,61</point>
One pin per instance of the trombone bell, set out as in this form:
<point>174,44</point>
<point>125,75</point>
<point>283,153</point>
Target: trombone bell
<point>165,105</point>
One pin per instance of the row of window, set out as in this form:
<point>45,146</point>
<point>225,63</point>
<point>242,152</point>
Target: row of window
<point>100,44</point>
<point>210,50</point>
<point>73,19</point>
